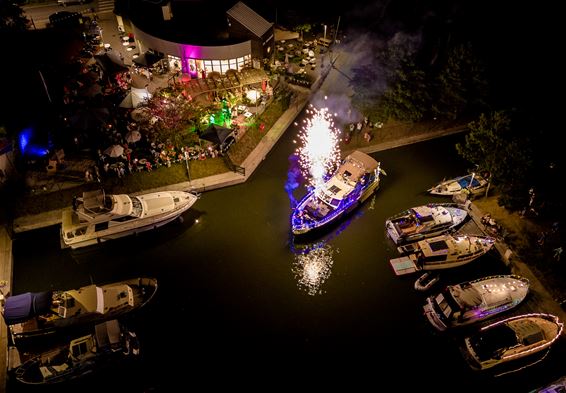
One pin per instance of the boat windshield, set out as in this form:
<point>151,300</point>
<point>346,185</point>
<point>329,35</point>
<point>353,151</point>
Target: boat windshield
<point>137,208</point>
<point>465,182</point>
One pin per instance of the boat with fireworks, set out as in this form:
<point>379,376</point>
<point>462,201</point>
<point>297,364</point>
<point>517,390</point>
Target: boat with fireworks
<point>35,314</point>
<point>357,177</point>
<point>511,339</point>
<point>98,217</point>
<point>441,252</point>
<point>106,346</point>
<point>425,221</point>
<point>473,183</point>
<point>473,301</point>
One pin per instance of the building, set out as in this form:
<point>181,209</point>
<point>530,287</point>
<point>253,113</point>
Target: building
<point>198,37</point>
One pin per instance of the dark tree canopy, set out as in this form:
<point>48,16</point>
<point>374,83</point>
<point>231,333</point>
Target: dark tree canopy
<point>12,17</point>
<point>494,144</point>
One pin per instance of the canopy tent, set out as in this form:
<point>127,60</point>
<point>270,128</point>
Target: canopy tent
<point>133,136</point>
<point>114,151</point>
<point>147,59</point>
<point>218,135</point>
<point>135,98</point>
<point>22,307</point>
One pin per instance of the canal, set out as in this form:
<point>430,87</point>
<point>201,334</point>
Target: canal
<point>240,302</point>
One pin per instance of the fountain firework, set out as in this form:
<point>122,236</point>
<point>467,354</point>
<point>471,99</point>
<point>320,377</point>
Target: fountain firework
<point>319,153</point>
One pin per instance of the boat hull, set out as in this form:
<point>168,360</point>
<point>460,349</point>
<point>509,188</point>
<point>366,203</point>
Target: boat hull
<point>523,343</point>
<point>418,230</point>
<point>318,226</point>
<point>143,291</point>
<point>489,296</point>
<point>86,234</point>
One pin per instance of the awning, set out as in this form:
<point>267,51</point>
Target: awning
<point>147,59</point>
<point>22,307</point>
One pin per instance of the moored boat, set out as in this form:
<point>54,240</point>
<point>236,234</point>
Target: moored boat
<point>426,281</point>
<point>34,314</point>
<point>109,343</point>
<point>425,221</point>
<point>98,217</point>
<point>473,183</point>
<point>473,301</point>
<point>511,339</point>
<point>357,177</point>
<point>440,252</point>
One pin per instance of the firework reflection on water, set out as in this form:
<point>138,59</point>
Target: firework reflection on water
<point>313,267</point>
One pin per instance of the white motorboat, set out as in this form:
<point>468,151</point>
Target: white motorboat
<point>511,339</point>
<point>353,182</point>
<point>441,252</point>
<point>424,221</point>
<point>473,183</point>
<point>473,301</point>
<point>97,217</point>
<point>40,313</point>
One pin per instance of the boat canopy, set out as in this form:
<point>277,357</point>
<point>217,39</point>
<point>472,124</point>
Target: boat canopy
<point>365,160</point>
<point>22,307</point>
<point>467,296</point>
<point>95,201</point>
<point>465,182</point>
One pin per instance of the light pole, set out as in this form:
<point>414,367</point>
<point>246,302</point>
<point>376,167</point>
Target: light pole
<point>187,164</point>
<point>324,32</point>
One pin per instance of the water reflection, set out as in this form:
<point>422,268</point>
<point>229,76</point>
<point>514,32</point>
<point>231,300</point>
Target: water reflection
<point>313,267</point>
<point>313,260</point>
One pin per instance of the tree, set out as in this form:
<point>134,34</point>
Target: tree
<point>460,85</point>
<point>392,86</point>
<point>303,28</point>
<point>407,99</point>
<point>12,17</point>
<point>493,145</point>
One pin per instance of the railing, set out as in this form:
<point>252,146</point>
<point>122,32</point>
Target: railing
<point>233,167</point>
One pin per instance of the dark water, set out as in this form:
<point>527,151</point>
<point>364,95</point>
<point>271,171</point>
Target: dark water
<point>238,305</point>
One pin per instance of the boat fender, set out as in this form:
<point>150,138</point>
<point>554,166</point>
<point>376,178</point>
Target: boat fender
<point>180,219</point>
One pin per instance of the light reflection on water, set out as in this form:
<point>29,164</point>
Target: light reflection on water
<point>312,268</point>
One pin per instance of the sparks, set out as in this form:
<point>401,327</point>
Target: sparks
<point>319,153</point>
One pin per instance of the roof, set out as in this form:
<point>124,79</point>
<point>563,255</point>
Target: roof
<point>250,19</point>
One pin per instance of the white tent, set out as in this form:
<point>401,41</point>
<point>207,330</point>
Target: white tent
<point>135,98</point>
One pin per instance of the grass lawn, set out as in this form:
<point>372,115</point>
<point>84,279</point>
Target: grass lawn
<point>248,142</point>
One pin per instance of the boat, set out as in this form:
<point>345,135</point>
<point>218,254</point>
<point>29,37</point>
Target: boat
<point>108,344</point>
<point>420,222</point>
<point>98,217</point>
<point>426,281</point>
<point>511,339</point>
<point>353,182</point>
<point>473,301</point>
<point>440,252</point>
<point>473,183</point>
<point>35,314</point>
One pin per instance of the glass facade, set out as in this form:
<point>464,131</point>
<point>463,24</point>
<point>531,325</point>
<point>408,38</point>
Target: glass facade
<point>221,66</point>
